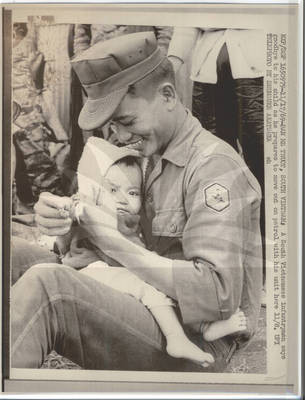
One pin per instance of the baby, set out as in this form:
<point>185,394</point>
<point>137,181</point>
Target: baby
<point>117,172</point>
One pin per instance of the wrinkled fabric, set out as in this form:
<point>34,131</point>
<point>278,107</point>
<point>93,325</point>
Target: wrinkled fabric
<point>209,226</point>
<point>36,168</point>
<point>123,280</point>
<point>97,328</point>
<point>41,169</point>
<point>233,111</point>
<point>244,47</point>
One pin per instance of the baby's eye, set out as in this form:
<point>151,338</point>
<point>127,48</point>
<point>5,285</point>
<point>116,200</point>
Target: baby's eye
<point>133,193</point>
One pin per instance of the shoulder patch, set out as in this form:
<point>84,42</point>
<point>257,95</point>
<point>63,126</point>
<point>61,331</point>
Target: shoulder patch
<point>217,197</point>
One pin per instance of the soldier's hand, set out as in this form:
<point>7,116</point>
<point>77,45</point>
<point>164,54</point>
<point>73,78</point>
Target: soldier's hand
<point>52,214</point>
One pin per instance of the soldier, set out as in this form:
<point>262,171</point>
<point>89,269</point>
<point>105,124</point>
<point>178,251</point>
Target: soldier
<point>200,220</point>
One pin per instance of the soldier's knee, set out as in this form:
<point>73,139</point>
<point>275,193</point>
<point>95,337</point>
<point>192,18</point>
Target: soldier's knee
<point>42,282</point>
<point>50,276</point>
<point>47,266</point>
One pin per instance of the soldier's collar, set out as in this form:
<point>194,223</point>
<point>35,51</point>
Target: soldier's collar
<point>178,150</point>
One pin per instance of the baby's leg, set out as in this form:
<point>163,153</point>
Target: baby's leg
<point>161,307</point>
<point>215,330</point>
<point>178,345</point>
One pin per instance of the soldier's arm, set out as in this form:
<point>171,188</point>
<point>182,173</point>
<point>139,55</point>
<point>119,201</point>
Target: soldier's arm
<point>223,219</point>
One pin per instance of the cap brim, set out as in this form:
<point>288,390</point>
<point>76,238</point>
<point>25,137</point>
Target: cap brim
<point>96,113</point>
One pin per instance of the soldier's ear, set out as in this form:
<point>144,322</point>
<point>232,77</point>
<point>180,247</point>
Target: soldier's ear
<point>169,95</point>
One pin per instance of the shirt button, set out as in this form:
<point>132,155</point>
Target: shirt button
<point>173,228</point>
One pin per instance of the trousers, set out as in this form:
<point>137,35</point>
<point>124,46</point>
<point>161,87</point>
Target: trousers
<point>55,307</point>
<point>123,280</point>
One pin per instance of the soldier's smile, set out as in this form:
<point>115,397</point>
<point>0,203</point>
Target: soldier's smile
<point>135,145</point>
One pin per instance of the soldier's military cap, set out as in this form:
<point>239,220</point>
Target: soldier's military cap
<point>107,69</point>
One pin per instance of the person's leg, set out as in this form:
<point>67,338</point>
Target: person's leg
<point>226,111</point>
<point>250,100</point>
<point>215,105</point>
<point>204,104</point>
<point>25,254</point>
<point>23,187</point>
<point>92,325</point>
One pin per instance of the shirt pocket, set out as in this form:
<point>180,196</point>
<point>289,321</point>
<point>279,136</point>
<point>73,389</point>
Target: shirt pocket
<point>169,223</point>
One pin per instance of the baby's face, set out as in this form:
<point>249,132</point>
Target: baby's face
<point>125,185</point>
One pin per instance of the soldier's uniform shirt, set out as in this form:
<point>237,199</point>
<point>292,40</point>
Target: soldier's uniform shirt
<point>202,204</point>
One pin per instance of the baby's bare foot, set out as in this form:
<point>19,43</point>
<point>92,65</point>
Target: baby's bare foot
<point>236,323</point>
<point>179,346</point>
